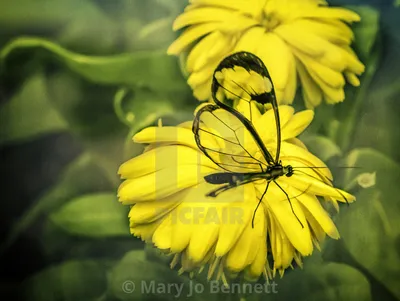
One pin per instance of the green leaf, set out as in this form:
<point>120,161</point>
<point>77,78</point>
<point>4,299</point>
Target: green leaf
<point>44,14</point>
<point>81,176</point>
<point>370,229</point>
<point>155,70</point>
<point>133,279</point>
<point>173,6</point>
<point>331,281</point>
<point>29,113</point>
<point>93,215</point>
<point>140,108</point>
<point>157,34</point>
<point>322,147</point>
<point>369,160</point>
<point>366,31</point>
<point>55,242</point>
<point>88,109</point>
<point>81,34</point>
<point>69,281</point>
<point>156,255</point>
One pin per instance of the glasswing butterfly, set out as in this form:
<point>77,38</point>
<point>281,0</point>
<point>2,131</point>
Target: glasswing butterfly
<point>232,141</point>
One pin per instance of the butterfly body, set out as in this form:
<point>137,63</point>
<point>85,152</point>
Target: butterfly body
<point>272,173</point>
<point>231,179</point>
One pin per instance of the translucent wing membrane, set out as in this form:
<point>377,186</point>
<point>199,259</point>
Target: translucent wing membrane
<point>241,83</point>
<point>226,140</point>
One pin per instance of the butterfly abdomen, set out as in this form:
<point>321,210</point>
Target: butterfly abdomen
<point>224,178</point>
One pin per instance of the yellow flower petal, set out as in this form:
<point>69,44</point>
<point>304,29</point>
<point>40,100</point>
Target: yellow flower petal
<point>202,92</point>
<point>230,232</point>
<point>258,265</point>
<point>205,231</point>
<point>145,231</point>
<point>318,232</point>
<point>332,32</point>
<point>294,225</point>
<point>266,123</point>
<point>249,39</point>
<point>329,76</point>
<point>329,13</point>
<point>291,85</point>
<point>166,134</point>
<point>201,77</point>
<point>202,15</point>
<point>354,65</point>
<point>182,222</point>
<point>186,125</point>
<point>207,52</point>
<point>311,185</point>
<point>297,124</point>
<point>352,79</point>
<point>148,212</point>
<point>246,248</point>
<point>275,239</point>
<point>334,95</point>
<point>161,158</point>
<point>318,212</point>
<point>297,142</point>
<point>298,156</point>
<point>162,183</point>
<point>190,35</point>
<point>276,56</point>
<point>251,7</point>
<point>308,43</point>
<point>312,93</point>
<point>287,251</point>
<point>162,235</point>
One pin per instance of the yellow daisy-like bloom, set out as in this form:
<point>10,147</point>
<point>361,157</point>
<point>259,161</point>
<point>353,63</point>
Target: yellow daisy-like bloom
<point>167,189</point>
<point>304,37</point>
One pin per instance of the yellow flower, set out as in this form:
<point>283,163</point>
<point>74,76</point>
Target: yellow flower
<point>167,189</point>
<point>293,37</point>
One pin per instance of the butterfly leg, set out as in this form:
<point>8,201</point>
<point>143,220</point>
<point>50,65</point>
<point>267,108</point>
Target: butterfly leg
<point>287,196</point>
<point>259,202</point>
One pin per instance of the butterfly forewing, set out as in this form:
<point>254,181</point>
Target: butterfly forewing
<point>224,138</point>
<point>241,82</point>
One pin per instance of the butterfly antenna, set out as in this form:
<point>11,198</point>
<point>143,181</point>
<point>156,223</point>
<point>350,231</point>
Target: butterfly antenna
<point>287,196</point>
<point>259,202</point>
<point>321,167</point>
<point>327,179</point>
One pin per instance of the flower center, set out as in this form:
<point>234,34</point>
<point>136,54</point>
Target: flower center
<point>269,21</point>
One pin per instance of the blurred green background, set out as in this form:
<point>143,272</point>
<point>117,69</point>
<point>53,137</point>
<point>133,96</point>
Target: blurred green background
<point>78,78</point>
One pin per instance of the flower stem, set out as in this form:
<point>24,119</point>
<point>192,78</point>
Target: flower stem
<point>118,98</point>
<point>349,125</point>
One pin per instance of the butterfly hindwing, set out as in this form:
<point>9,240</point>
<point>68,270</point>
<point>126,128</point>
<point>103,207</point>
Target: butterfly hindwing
<point>224,138</point>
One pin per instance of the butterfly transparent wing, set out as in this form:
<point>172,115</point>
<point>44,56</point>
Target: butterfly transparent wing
<point>241,82</point>
<point>224,138</point>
